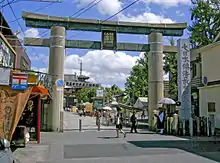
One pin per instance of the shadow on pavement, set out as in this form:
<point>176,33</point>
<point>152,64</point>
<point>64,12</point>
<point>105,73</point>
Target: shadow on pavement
<point>107,137</point>
<point>89,129</point>
<point>208,149</point>
<point>144,133</point>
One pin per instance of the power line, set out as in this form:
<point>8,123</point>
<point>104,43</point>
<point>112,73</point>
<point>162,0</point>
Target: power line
<point>15,16</point>
<point>2,1</point>
<point>24,70</point>
<point>9,3</point>
<point>21,26</point>
<point>45,33</point>
<point>116,12</point>
<point>89,8</point>
<point>126,7</point>
<point>82,8</point>
<point>88,5</point>
<point>41,8</point>
<point>120,11</point>
<point>17,20</point>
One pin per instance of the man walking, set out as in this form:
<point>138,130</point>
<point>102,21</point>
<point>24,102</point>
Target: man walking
<point>119,126</point>
<point>133,123</point>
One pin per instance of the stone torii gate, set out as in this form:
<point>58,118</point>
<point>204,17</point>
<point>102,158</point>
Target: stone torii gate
<point>57,44</point>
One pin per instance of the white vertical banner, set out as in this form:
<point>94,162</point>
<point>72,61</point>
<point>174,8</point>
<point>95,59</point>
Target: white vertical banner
<point>99,93</point>
<point>184,78</point>
<point>5,76</point>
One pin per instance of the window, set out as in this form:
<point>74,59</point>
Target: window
<point>194,70</point>
<point>211,107</point>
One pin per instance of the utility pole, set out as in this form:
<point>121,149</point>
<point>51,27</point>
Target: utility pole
<point>80,67</point>
<point>133,93</point>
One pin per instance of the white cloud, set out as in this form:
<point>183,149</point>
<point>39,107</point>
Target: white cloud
<point>38,57</point>
<point>179,13</point>
<point>102,66</point>
<point>32,32</point>
<point>107,7</point>
<point>111,7</point>
<point>146,17</point>
<point>168,3</point>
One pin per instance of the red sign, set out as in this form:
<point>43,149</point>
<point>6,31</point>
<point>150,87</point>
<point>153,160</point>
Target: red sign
<point>20,77</point>
<point>19,81</point>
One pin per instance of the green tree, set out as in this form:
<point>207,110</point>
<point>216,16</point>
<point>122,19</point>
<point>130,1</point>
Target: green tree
<point>111,92</point>
<point>138,79</point>
<point>205,18</point>
<point>86,94</point>
<point>170,66</point>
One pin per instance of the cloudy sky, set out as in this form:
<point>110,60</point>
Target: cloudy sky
<point>105,67</point>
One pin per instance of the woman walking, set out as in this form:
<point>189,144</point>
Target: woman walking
<point>119,126</point>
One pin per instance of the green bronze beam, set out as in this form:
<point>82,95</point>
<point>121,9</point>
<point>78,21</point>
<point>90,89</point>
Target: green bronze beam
<point>45,21</point>
<point>83,44</point>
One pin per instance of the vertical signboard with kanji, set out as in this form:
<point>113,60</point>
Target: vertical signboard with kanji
<point>184,78</point>
<point>19,81</point>
<point>109,40</point>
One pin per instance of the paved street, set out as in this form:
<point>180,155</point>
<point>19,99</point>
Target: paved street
<point>91,146</point>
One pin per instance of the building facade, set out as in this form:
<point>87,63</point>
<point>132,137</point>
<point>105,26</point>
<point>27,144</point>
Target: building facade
<point>206,64</point>
<point>73,83</point>
<point>7,53</point>
<point>196,79</point>
<point>22,60</point>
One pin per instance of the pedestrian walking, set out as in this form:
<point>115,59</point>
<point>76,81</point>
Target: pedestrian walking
<point>119,126</point>
<point>98,116</point>
<point>133,120</point>
<point>161,118</point>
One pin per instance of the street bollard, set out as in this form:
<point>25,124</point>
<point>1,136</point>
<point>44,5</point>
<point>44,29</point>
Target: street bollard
<point>184,127</point>
<point>80,124</point>
<point>198,126</point>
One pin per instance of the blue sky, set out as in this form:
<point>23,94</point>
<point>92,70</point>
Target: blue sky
<point>103,70</point>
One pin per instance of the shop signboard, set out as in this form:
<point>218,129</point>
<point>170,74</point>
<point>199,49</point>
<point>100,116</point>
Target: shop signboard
<point>5,76</point>
<point>7,57</point>
<point>19,81</point>
<point>29,118</point>
<point>109,40</point>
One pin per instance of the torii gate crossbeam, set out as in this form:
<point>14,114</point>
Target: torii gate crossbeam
<point>58,43</point>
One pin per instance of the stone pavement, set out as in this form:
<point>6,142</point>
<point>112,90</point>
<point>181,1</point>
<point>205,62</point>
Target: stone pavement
<point>71,122</point>
<point>102,147</point>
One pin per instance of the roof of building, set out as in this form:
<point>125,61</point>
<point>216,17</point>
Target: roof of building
<point>206,47</point>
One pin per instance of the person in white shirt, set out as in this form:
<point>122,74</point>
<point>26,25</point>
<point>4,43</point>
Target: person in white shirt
<point>119,126</point>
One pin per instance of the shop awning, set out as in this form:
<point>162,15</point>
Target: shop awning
<point>41,90</point>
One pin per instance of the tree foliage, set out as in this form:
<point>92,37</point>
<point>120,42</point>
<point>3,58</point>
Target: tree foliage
<point>138,79</point>
<point>170,66</point>
<point>205,18</point>
<point>111,92</point>
<point>86,94</point>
